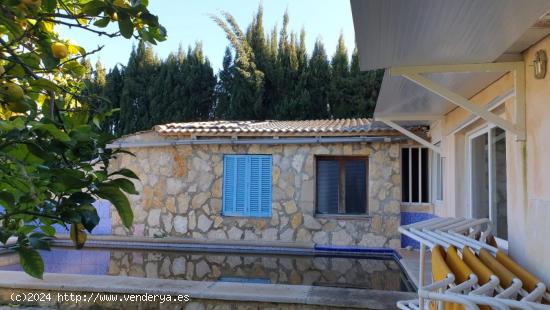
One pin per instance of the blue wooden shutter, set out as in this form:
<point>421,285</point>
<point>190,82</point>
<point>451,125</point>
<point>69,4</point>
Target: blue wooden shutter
<point>229,176</point>
<point>241,187</point>
<point>247,185</point>
<point>265,187</point>
<point>255,186</point>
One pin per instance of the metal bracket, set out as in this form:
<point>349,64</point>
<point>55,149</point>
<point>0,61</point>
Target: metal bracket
<point>410,134</point>
<point>516,127</point>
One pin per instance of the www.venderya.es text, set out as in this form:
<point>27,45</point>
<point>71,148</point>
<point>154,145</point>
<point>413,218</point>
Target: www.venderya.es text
<point>96,297</point>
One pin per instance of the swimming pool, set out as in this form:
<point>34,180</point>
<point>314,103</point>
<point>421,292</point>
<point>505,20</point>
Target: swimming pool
<point>321,268</point>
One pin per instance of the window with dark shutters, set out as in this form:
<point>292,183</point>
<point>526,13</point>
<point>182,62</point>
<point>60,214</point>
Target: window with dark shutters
<point>342,185</point>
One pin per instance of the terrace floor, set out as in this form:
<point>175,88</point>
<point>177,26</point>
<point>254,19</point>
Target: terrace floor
<point>410,260</point>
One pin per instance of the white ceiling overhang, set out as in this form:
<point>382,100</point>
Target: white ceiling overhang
<point>394,33</point>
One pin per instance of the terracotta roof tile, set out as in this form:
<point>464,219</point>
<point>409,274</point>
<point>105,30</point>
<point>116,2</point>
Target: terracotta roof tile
<point>356,126</point>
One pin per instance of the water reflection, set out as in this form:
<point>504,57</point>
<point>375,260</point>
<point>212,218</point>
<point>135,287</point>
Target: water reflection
<point>252,268</point>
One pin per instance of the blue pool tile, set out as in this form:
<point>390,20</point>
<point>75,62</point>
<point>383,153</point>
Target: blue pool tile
<point>409,218</point>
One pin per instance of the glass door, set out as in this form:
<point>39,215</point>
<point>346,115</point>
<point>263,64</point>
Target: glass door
<point>488,178</point>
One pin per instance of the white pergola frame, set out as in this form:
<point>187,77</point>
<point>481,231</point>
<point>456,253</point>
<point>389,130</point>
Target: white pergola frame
<point>414,74</point>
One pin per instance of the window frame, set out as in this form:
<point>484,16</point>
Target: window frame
<point>246,213</point>
<point>429,175</point>
<point>437,177</point>
<point>342,175</point>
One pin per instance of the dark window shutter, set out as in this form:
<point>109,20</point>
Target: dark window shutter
<point>328,183</point>
<point>356,186</point>
<point>405,195</point>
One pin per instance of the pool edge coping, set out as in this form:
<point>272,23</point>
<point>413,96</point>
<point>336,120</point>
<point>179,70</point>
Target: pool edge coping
<point>246,292</point>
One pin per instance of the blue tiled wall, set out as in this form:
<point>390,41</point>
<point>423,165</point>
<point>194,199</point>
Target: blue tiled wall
<point>409,218</point>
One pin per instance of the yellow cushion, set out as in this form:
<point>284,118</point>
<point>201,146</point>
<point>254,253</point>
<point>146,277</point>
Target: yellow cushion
<point>482,272</point>
<point>504,275</point>
<point>529,280</point>
<point>461,271</point>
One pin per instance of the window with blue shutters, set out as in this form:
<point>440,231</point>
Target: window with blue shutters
<point>247,185</point>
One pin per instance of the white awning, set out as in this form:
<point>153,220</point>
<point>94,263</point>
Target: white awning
<point>401,97</point>
<point>425,40</point>
<point>392,33</point>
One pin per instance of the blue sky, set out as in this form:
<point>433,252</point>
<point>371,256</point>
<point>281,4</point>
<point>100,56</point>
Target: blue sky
<point>188,21</point>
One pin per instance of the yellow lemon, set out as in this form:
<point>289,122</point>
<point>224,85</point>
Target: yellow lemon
<point>59,50</point>
<point>12,91</point>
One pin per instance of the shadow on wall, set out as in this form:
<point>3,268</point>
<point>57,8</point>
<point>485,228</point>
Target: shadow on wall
<point>409,218</point>
<point>104,226</point>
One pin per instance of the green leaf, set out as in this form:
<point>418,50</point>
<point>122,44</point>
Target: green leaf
<point>126,27</point>
<point>6,126</point>
<point>82,198</point>
<point>78,235</point>
<point>89,217</point>
<point>102,23</point>
<point>48,230</point>
<point>93,7</point>
<point>125,185</point>
<point>44,84</point>
<point>22,153</point>
<point>49,5</point>
<point>69,179</point>
<point>39,241</point>
<point>74,68</point>
<point>52,130</point>
<point>6,198</point>
<point>125,172</point>
<point>26,229</point>
<point>119,201</point>
<point>31,262</point>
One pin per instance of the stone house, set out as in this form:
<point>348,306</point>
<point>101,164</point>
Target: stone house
<point>330,182</point>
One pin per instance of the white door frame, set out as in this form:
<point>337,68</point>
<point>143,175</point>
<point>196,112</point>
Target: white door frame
<point>485,129</point>
<point>475,133</point>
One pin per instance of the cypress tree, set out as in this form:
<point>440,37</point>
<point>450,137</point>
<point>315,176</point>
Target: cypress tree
<point>263,76</point>
<point>222,106</point>
<point>114,82</point>
<point>318,82</point>
<point>136,109</point>
<point>339,86</point>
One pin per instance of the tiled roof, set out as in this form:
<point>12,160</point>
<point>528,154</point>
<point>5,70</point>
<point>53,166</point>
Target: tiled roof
<point>356,126</point>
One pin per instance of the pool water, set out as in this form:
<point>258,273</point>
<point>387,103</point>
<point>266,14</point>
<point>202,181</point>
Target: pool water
<point>382,273</point>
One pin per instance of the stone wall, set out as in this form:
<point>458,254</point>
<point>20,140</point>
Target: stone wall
<point>181,194</point>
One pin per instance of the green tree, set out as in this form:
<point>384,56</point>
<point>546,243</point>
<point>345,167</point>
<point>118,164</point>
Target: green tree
<point>222,107</point>
<point>340,81</point>
<point>198,86</point>
<point>318,82</point>
<point>114,83</point>
<point>135,106</point>
<point>53,159</point>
